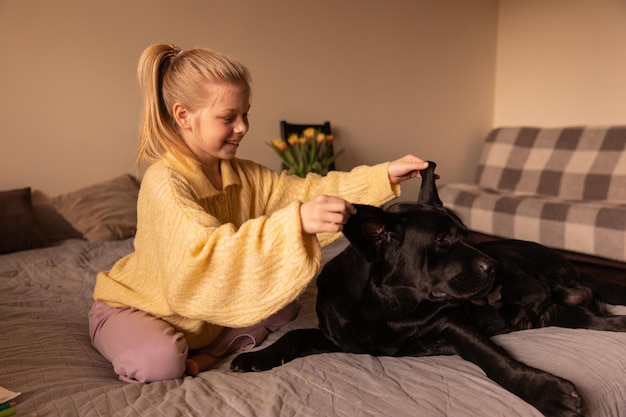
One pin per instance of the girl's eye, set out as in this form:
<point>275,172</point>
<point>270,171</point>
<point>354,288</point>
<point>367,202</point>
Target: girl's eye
<point>231,119</point>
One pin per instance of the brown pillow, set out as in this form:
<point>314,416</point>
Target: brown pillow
<point>104,211</point>
<point>53,225</point>
<point>19,229</point>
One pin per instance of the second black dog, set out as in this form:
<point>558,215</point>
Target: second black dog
<point>411,285</point>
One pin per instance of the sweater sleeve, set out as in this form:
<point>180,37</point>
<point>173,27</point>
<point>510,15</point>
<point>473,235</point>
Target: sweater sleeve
<point>239,277</point>
<point>362,185</point>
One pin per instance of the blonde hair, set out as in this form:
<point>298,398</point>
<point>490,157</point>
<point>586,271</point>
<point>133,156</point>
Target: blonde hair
<point>168,75</point>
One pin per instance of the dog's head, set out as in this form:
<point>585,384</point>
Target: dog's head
<point>422,245</point>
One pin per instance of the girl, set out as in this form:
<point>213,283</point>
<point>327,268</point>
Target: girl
<point>223,246</point>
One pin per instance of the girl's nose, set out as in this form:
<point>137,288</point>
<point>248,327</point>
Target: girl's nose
<point>241,127</point>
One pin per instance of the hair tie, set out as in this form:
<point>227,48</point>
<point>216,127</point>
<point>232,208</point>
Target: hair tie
<point>173,53</point>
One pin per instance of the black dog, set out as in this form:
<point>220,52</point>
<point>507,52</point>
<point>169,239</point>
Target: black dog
<point>411,285</point>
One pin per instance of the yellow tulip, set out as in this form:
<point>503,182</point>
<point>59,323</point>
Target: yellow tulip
<point>292,139</point>
<point>309,133</point>
<point>279,144</point>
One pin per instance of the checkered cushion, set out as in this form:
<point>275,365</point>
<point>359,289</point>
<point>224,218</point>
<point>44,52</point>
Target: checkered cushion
<point>564,188</point>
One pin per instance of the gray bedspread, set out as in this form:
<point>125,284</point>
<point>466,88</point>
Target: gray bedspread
<point>46,355</point>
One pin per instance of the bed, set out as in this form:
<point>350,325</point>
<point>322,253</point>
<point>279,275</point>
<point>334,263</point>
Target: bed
<point>46,355</point>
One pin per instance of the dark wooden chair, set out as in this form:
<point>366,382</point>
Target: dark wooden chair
<point>287,129</point>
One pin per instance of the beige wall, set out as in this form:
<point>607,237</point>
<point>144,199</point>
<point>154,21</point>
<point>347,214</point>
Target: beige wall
<point>393,76</point>
<point>561,62</point>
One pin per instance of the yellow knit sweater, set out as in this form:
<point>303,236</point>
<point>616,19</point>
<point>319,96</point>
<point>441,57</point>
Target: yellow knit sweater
<point>206,258</point>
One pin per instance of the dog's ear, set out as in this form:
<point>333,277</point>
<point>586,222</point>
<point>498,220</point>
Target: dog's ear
<point>428,192</point>
<point>367,229</point>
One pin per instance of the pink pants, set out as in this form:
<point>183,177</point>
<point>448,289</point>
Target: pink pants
<point>145,348</point>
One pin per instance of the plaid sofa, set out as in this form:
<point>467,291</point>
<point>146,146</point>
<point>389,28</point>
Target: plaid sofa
<point>562,187</point>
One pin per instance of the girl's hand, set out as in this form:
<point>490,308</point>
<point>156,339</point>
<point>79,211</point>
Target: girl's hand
<point>325,214</point>
<point>407,167</point>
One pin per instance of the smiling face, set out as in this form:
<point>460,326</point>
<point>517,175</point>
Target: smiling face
<point>214,131</point>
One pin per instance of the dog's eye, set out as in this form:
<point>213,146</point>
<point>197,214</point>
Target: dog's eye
<point>441,237</point>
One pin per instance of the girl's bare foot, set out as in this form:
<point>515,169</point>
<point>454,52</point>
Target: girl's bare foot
<point>191,367</point>
<point>199,362</point>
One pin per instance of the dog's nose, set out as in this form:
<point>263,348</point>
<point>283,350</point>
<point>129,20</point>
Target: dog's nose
<point>487,265</point>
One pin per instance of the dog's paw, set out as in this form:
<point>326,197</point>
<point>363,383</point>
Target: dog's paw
<point>242,363</point>
<point>252,362</point>
<point>557,397</point>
